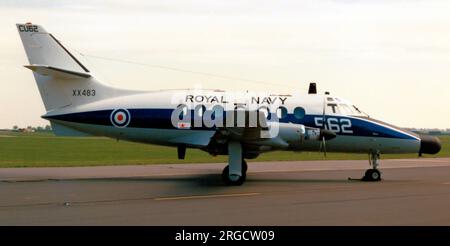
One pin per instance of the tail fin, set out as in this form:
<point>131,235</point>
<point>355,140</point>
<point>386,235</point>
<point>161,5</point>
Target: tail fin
<point>44,49</point>
<point>61,78</point>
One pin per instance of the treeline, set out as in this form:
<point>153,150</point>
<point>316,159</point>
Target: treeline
<point>46,128</point>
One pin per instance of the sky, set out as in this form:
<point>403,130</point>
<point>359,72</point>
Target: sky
<point>391,58</point>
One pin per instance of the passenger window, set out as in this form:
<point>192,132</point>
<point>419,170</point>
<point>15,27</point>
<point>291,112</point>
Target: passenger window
<point>281,112</point>
<point>299,113</point>
<point>183,112</point>
<point>200,110</point>
<point>217,112</point>
<point>265,110</point>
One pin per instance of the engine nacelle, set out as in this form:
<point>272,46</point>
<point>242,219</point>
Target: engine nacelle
<point>312,133</point>
<point>291,133</point>
<point>295,134</point>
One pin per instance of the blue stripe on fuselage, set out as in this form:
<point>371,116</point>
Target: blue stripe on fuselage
<point>161,119</point>
<point>359,127</point>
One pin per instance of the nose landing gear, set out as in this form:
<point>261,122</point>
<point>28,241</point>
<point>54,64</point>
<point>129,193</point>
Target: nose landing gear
<point>373,174</point>
<point>234,179</point>
<point>236,171</point>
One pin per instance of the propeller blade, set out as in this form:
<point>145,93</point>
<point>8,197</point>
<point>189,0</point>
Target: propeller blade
<point>327,134</point>
<point>323,112</point>
<point>324,136</point>
<point>321,146</point>
<point>322,131</point>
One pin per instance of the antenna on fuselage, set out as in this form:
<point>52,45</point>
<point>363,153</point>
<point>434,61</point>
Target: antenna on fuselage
<point>312,88</point>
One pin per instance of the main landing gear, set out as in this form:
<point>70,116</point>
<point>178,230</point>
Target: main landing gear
<point>236,171</point>
<point>373,174</point>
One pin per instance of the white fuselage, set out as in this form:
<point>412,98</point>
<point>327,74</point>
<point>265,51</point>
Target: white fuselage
<point>150,120</point>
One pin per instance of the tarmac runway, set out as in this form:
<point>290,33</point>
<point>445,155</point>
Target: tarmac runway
<point>412,192</point>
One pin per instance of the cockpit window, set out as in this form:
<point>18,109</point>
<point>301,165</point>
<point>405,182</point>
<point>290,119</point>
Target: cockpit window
<point>346,109</point>
<point>359,112</point>
<point>342,107</point>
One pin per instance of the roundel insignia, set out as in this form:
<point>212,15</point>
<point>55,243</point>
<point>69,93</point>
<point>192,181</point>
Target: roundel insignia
<point>120,117</point>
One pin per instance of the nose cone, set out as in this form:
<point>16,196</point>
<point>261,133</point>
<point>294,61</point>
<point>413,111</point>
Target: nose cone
<point>429,145</point>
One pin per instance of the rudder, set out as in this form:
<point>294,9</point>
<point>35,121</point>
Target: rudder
<point>62,79</point>
<point>44,49</point>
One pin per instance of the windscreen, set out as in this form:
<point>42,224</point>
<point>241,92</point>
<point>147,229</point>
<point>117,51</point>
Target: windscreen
<point>342,107</point>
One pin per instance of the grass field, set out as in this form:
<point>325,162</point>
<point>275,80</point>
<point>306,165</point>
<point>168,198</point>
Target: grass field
<point>45,150</point>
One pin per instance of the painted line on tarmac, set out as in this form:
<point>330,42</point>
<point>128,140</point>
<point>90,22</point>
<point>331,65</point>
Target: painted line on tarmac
<point>421,160</point>
<point>205,196</point>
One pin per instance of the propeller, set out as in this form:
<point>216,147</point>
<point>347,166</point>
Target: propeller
<point>324,133</point>
<point>324,136</point>
<point>323,147</point>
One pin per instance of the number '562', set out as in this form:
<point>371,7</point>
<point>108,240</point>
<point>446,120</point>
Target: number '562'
<point>334,124</point>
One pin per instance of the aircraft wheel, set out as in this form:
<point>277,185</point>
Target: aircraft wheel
<point>244,166</point>
<point>233,180</point>
<point>372,175</point>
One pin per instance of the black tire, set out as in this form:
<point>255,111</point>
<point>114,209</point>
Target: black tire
<point>244,166</point>
<point>372,175</point>
<point>226,177</point>
<point>375,175</point>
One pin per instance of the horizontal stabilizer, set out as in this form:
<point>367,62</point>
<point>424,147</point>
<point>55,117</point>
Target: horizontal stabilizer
<point>61,130</point>
<point>57,72</point>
